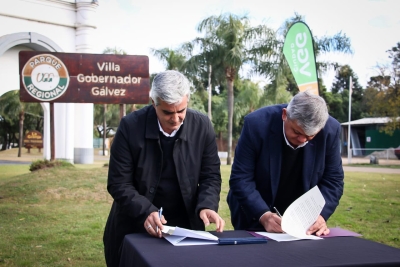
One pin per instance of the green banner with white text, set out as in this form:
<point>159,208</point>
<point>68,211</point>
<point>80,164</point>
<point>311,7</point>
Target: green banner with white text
<point>299,52</point>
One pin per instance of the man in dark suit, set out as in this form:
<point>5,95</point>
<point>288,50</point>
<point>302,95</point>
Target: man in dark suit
<point>163,155</point>
<point>283,151</point>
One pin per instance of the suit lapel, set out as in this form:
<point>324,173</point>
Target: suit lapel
<point>275,160</point>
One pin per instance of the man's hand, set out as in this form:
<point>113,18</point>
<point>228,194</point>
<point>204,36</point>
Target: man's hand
<point>319,227</point>
<point>208,216</point>
<point>152,222</point>
<point>271,222</point>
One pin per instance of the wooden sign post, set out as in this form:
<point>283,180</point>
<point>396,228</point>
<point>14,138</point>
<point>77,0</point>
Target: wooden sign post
<point>33,139</point>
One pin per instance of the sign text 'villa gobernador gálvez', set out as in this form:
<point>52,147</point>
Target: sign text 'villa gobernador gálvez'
<point>83,78</point>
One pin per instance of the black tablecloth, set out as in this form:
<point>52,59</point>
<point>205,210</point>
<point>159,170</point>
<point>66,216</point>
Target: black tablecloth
<point>144,250</point>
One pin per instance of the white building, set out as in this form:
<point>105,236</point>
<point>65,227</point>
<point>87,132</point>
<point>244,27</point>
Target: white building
<point>54,26</point>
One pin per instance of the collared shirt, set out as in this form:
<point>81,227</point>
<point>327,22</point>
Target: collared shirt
<point>166,134</point>
<point>287,142</point>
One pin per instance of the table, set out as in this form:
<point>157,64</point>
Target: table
<point>144,250</point>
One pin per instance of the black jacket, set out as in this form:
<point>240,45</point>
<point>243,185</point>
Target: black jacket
<point>135,170</point>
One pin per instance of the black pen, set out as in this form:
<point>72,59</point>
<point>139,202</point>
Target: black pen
<point>277,212</point>
<point>242,240</point>
<point>159,216</point>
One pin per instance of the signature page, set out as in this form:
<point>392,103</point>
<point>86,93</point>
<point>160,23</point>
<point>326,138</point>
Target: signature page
<point>303,213</point>
<point>186,237</point>
<point>278,236</point>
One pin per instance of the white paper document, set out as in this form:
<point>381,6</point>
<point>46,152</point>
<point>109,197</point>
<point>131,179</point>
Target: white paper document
<point>278,236</point>
<point>185,237</point>
<point>299,217</point>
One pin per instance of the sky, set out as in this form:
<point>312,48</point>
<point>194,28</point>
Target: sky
<point>135,26</point>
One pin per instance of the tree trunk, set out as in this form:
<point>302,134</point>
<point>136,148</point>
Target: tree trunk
<point>13,140</point>
<point>21,131</point>
<point>122,111</point>
<point>230,120</point>
<point>104,129</point>
<point>5,143</point>
<point>209,94</point>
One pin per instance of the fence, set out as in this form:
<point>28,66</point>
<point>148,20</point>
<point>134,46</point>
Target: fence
<point>381,153</point>
<point>98,143</point>
<point>388,155</point>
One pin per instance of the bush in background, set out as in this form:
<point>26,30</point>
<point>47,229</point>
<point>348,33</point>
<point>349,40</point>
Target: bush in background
<point>43,164</point>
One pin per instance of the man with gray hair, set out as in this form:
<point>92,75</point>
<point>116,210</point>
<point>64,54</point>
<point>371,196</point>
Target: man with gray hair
<point>284,151</point>
<point>163,156</point>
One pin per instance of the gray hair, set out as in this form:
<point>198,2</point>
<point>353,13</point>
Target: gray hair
<point>170,86</point>
<point>309,111</point>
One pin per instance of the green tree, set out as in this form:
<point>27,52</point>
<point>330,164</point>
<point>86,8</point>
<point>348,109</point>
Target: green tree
<point>220,116</point>
<point>204,67</point>
<point>197,100</point>
<point>175,60</point>
<point>12,110</point>
<point>383,91</point>
<point>104,130</point>
<point>376,85</point>
<point>229,43</point>
<point>8,128</point>
<point>338,102</point>
<point>114,51</point>
<point>172,59</point>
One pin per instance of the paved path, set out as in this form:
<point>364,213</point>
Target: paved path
<point>371,169</point>
<point>11,162</point>
<point>366,168</point>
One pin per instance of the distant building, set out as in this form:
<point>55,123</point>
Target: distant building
<point>367,137</point>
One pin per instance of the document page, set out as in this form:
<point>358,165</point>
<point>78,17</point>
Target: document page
<point>303,213</point>
<point>186,237</point>
<point>278,236</point>
<point>177,231</point>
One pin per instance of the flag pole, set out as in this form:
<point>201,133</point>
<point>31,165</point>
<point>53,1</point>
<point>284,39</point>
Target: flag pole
<point>349,127</point>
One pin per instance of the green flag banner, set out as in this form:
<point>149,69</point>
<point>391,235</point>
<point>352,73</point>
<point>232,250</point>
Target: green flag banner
<point>299,52</point>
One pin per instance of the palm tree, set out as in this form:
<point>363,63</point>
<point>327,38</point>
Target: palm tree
<point>12,107</point>
<point>114,51</point>
<point>200,66</point>
<point>176,60</point>
<point>173,60</point>
<point>230,43</point>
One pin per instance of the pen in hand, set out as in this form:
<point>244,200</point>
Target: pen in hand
<point>277,212</point>
<point>159,216</point>
<point>280,216</point>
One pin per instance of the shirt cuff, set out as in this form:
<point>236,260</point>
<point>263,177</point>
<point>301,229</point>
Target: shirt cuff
<point>263,214</point>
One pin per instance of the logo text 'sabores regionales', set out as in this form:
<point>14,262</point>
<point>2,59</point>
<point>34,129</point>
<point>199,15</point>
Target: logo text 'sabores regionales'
<point>45,77</point>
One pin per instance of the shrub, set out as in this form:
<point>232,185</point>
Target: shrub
<point>43,164</point>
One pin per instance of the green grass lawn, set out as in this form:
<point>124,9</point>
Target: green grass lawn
<point>56,217</point>
<point>370,206</point>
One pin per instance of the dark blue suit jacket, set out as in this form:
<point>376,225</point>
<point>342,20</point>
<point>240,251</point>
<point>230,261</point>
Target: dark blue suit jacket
<point>257,165</point>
